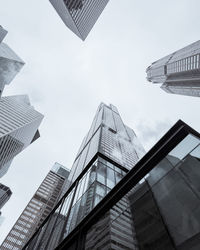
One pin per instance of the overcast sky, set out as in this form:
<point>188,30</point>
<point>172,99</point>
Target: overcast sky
<point>66,79</point>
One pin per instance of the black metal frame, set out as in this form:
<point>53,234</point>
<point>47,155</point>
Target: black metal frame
<point>173,137</point>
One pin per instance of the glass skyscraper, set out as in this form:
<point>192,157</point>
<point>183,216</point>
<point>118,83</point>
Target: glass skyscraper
<point>164,207</point>
<point>19,123</point>
<point>178,72</point>
<point>38,208</point>
<point>10,63</point>
<point>79,15</point>
<point>153,205</point>
<point>108,151</point>
<point>156,205</point>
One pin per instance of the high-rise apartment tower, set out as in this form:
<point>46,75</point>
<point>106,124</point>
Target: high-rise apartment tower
<point>10,63</point>
<point>178,72</point>
<point>79,15</point>
<point>19,123</point>
<point>37,209</point>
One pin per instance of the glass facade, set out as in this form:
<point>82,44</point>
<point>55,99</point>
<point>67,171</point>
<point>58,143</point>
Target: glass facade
<point>98,180</point>
<point>161,212</point>
<point>107,152</point>
<point>109,136</point>
<point>79,15</point>
<point>154,206</point>
<point>179,72</point>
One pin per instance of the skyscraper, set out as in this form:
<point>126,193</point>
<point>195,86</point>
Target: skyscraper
<point>79,15</point>
<point>156,205</point>
<point>10,63</point>
<point>178,72</point>
<point>19,123</point>
<point>5,194</point>
<point>108,151</point>
<point>37,209</point>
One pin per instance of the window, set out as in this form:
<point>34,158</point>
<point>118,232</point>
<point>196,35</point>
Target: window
<point>110,178</point>
<point>97,199</point>
<point>100,190</point>
<point>6,245</point>
<point>183,148</point>
<point>101,173</point>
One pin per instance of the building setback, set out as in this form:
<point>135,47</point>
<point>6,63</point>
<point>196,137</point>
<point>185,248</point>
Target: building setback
<point>19,123</point>
<point>10,63</point>
<point>37,209</point>
<point>79,15</point>
<point>109,150</point>
<point>178,72</point>
<point>5,194</point>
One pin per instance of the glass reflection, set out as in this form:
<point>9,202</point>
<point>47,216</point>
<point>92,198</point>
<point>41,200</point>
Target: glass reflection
<point>75,4</point>
<point>185,147</point>
<point>161,212</point>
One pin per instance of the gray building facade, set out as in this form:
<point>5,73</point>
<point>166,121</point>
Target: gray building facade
<point>19,123</point>
<point>178,72</point>
<point>79,15</point>
<point>40,205</point>
<point>10,63</point>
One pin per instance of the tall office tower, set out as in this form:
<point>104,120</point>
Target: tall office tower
<point>179,72</point>
<point>37,209</point>
<point>19,123</point>
<point>163,209</point>
<point>79,15</point>
<point>108,151</point>
<point>5,194</point>
<point>10,63</point>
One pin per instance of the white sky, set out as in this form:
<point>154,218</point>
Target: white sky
<point>66,79</point>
